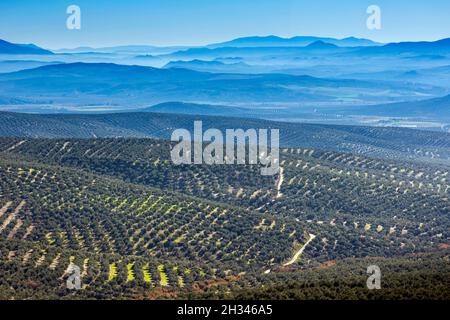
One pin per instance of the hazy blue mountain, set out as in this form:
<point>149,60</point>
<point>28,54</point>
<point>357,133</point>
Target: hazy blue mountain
<point>436,75</point>
<point>14,48</point>
<point>124,49</point>
<point>273,55</point>
<point>321,45</point>
<point>443,43</point>
<point>354,42</point>
<point>17,65</point>
<point>299,41</point>
<point>437,108</point>
<point>197,109</point>
<point>214,66</point>
<point>262,55</point>
<point>133,48</point>
<point>135,86</point>
<point>420,48</point>
<point>192,63</point>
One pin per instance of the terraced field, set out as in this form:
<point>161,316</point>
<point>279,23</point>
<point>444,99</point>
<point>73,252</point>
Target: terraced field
<point>140,227</point>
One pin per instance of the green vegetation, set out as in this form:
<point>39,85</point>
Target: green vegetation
<point>139,227</point>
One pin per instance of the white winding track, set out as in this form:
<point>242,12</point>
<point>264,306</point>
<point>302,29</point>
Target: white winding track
<point>299,252</point>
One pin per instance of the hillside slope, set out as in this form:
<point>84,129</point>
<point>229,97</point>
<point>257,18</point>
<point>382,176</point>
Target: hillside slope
<point>13,48</point>
<point>135,86</point>
<point>394,143</point>
<point>437,108</point>
<point>119,209</point>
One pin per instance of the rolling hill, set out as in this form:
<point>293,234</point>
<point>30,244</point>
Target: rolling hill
<point>392,143</point>
<point>213,66</point>
<point>13,48</point>
<point>7,66</point>
<point>100,191</point>
<point>437,108</point>
<point>198,109</point>
<point>140,227</point>
<point>419,48</point>
<point>135,86</point>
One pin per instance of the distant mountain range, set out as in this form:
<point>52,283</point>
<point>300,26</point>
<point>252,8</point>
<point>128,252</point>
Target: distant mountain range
<point>123,49</point>
<point>365,45</point>
<point>299,41</point>
<point>14,48</point>
<point>291,52</point>
<point>443,43</point>
<point>267,52</point>
<point>133,86</point>
<point>269,41</point>
<point>286,75</point>
<point>422,47</point>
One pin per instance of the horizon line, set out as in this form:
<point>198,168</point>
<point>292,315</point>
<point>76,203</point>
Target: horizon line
<point>229,39</point>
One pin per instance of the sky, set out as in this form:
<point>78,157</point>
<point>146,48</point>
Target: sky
<point>200,22</point>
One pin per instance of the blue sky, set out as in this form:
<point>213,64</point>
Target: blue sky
<point>197,22</point>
